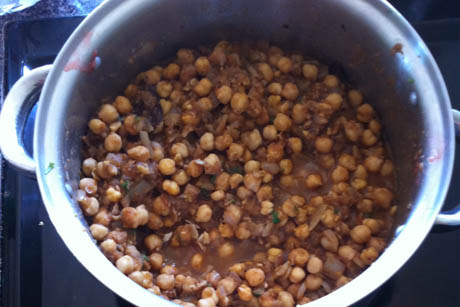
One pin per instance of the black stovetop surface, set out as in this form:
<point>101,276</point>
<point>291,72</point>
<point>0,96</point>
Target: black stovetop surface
<point>38,269</point>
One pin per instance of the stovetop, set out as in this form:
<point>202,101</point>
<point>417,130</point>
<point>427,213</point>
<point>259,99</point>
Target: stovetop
<point>38,269</point>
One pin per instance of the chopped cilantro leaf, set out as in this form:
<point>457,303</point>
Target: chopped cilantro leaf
<point>50,168</point>
<point>213,179</point>
<point>236,170</point>
<point>336,211</point>
<point>367,215</point>
<point>258,292</point>
<point>233,201</point>
<point>272,119</point>
<point>145,257</point>
<point>125,186</point>
<point>275,217</point>
<point>137,119</point>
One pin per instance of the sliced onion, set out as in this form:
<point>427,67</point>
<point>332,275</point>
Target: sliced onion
<point>272,168</point>
<point>301,290</point>
<point>145,140</point>
<point>326,287</point>
<point>317,216</point>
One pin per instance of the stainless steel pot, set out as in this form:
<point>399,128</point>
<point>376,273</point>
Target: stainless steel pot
<point>121,38</point>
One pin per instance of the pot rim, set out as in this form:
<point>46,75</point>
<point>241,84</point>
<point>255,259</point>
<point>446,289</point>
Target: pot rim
<point>407,240</point>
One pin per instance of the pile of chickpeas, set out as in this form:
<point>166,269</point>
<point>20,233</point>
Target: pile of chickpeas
<point>238,175</point>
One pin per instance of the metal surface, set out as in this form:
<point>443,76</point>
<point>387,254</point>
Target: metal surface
<point>15,108</point>
<point>351,33</point>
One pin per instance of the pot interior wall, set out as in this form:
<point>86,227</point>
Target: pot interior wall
<point>344,32</point>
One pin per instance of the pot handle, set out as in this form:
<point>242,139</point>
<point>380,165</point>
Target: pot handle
<point>452,217</point>
<point>20,99</point>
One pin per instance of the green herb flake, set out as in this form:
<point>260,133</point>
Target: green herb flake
<point>236,170</point>
<point>367,215</point>
<point>258,292</point>
<point>204,194</point>
<point>410,80</point>
<point>233,201</point>
<point>275,218</point>
<point>50,168</point>
<point>272,119</point>
<point>125,186</point>
<point>137,119</point>
<point>336,211</point>
<point>213,179</point>
<point>145,257</point>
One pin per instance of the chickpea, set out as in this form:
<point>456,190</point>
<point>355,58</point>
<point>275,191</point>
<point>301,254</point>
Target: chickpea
<point>339,174</point>
<point>113,142</point>
<point>226,250</point>
<point>359,184</point>
<point>185,56</point>
<point>284,65</point>
<point>123,105</point>
<point>254,139</point>
<point>310,72</point>
<point>153,242</point>
<point>209,292</point>
<point>331,81</point>
<point>365,205</point>
<point>245,293</point>
<point>239,102</point>
<point>347,161</point>
<point>334,100</point>
<point>202,65</point>
<point>97,126</point>
<point>290,91</point>
<point>373,164</point>
<point>323,144</point>
<point>218,195</point>
<point>235,180</point>
<point>299,113</point>
<point>368,138</point>
<point>204,214</point>
<point>346,252</point>
<point>254,277</point>
<point>164,89</point>
<point>98,231</point>
<point>125,264</point>
<point>242,231</point>
<point>165,281</point>
<point>360,172</point>
<point>275,152</point>
<point>112,195</point>
<point>206,302</point>
<point>365,113</point>
<point>171,71</point>
<point>167,166</point>
<point>108,246</point>
<point>374,225</point>
<point>131,90</point>
<point>297,275</point>
<point>275,88</point>
<point>270,133</point>
<point>329,241</point>
<point>212,164</point>
<point>251,166</point>
<point>282,122</point>
<point>369,255</point>
<point>204,104</point>
<point>286,299</point>
<point>152,76</point>
<point>139,153</point>
<point>222,142</point>
<point>156,261</point>
<point>226,231</point>
<point>266,207</point>
<point>314,181</point>
<point>88,166</point>
<point>382,197</point>
<point>170,187</point>
<point>235,152</point>
<point>355,97</point>
<point>266,71</point>
<point>315,265</point>
<point>302,231</point>
<point>194,169</point>
<point>108,113</point>
<point>387,168</point>
<point>313,282</point>
<point>190,118</point>
<point>89,185</point>
<point>197,261</point>
<point>353,131</point>
<point>360,234</point>
<point>207,141</point>
<point>203,87</point>
<point>181,177</point>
